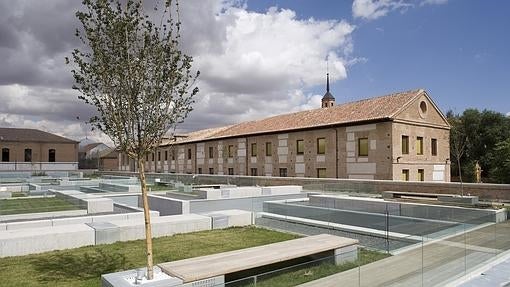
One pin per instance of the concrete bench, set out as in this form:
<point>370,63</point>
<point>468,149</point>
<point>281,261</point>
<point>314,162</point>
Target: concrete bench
<point>451,198</point>
<point>211,266</point>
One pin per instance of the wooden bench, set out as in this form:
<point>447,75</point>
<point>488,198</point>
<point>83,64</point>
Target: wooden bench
<point>200,268</point>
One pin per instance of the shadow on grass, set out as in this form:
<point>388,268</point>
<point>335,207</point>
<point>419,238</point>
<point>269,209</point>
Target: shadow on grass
<point>68,266</point>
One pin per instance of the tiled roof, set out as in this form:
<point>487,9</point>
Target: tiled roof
<point>31,135</point>
<point>373,109</point>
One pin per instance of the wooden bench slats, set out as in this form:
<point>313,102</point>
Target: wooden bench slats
<point>203,267</point>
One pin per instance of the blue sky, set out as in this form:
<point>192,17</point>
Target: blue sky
<point>458,51</point>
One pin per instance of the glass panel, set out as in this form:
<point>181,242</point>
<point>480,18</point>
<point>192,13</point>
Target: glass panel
<point>253,149</point>
<point>300,146</point>
<point>363,146</point>
<point>321,146</point>
<point>269,149</point>
<point>419,145</point>
<point>405,145</point>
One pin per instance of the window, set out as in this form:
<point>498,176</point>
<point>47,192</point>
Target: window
<point>300,147</point>
<point>153,155</point>
<point>433,146</point>
<point>321,172</point>
<point>51,155</point>
<point>146,157</point>
<point>230,171</point>
<point>189,153</point>
<point>269,149</point>
<point>363,147</point>
<point>230,151</point>
<point>173,154</point>
<point>405,145</point>
<point>253,172</point>
<point>166,155</point>
<point>5,154</point>
<point>211,152</point>
<point>253,149</point>
<point>419,145</point>
<point>211,170</point>
<point>283,172</point>
<point>421,175</point>
<point>405,175</point>
<point>28,155</point>
<point>159,156</point>
<point>199,170</point>
<point>321,146</point>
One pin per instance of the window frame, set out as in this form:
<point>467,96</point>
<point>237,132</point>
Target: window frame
<point>405,175</point>
<point>230,171</point>
<point>253,149</point>
<point>166,155</point>
<point>253,171</point>
<point>405,147</point>
<point>319,149</point>
<point>211,170</point>
<point>269,149</point>
<point>433,147</point>
<point>419,145</point>
<point>52,157</point>
<point>365,139</point>
<point>29,158</point>
<point>230,151</point>
<point>421,174</point>
<point>6,154</point>
<point>211,152</point>
<point>320,170</point>
<point>283,174</point>
<point>300,147</point>
<point>189,154</point>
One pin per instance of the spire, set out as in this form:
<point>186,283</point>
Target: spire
<point>327,83</point>
<point>327,100</point>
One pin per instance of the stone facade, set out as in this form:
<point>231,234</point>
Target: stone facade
<point>367,150</point>
<point>66,156</point>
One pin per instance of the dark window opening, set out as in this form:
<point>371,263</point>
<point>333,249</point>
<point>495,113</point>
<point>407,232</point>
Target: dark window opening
<point>283,172</point>
<point>5,154</point>
<point>51,155</point>
<point>28,155</point>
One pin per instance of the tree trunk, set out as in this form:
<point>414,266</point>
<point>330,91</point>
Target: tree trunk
<point>460,177</point>
<point>146,213</point>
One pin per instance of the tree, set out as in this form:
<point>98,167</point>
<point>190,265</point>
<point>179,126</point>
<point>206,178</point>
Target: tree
<point>458,143</point>
<point>137,78</point>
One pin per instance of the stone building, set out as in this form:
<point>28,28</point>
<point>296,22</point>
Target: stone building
<point>35,150</point>
<point>402,136</point>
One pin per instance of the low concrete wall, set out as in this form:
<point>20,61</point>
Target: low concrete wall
<point>229,218</point>
<point>248,191</point>
<point>93,203</point>
<point>40,215</point>
<point>485,191</point>
<point>42,239</point>
<point>425,211</point>
<point>114,187</point>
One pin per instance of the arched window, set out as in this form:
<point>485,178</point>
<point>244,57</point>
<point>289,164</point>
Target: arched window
<point>5,154</point>
<point>28,155</point>
<point>51,155</point>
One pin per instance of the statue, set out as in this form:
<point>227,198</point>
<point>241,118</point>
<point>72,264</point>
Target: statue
<point>478,172</point>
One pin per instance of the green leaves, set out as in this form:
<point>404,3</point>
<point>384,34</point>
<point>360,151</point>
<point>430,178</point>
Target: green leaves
<point>133,72</point>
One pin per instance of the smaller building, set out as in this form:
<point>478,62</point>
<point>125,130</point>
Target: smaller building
<point>89,155</point>
<point>36,150</point>
<point>109,161</point>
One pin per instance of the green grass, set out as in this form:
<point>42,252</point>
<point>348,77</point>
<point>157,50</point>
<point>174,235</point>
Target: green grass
<point>159,187</point>
<point>84,266</point>
<point>18,194</point>
<point>32,205</point>
<point>308,272</point>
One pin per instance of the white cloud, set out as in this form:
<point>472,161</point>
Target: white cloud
<point>252,64</point>
<point>508,114</point>
<point>433,2</point>
<point>373,9</point>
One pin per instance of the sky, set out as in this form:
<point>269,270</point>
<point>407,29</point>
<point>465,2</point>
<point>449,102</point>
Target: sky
<point>259,58</point>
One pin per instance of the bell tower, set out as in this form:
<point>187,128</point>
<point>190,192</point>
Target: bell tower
<point>327,100</point>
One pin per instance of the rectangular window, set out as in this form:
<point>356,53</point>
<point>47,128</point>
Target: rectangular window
<point>173,154</point>
<point>321,146</point>
<point>253,149</point>
<point>5,154</point>
<point>321,172</point>
<point>199,170</point>
<point>146,157</point>
<point>153,156</point>
<point>433,146</point>
<point>159,156</point>
<point>300,147</point>
<point>419,145</point>
<point>211,170</point>
<point>230,171</point>
<point>269,149</point>
<point>283,172</point>
<point>421,175</point>
<point>28,155</point>
<point>51,155</point>
<point>405,145</point>
<point>189,153</point>
<point>405,175</point>
<point>253,172</point>
<point>166,155</point>
<point>363,147</point>
<point>211,152</point>
<point>230,151</point>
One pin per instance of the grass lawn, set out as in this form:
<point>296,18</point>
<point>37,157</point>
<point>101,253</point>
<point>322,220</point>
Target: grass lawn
<point>31,205</point>
<point>159,187</point>
<point>84,266</point>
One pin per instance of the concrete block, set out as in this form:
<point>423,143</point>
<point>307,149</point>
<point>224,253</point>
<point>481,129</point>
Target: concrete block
<point>99,205</point>
<point>228,218</point>
<point>37,240</point>
<point>280,190</point>
<point>71,220</point>
<point>28,224</point>
<point>127,279</point>
<point>346,254</point>
<point>110,217</point>
<point>105,232</point>
<point>3,227</point>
